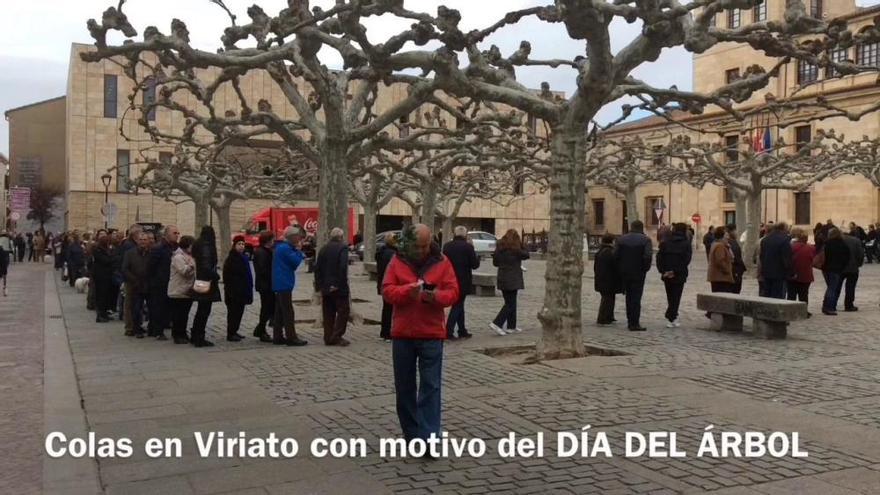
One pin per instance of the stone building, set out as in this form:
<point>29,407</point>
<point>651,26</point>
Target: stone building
<point>37,154</point>
<point>97,109</point>
<point>844,199</point>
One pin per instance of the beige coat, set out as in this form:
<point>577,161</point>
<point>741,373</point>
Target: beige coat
<point>183,275</point>
<point>720,262</point>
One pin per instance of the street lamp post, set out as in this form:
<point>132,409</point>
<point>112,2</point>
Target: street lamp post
<point>106,178</point>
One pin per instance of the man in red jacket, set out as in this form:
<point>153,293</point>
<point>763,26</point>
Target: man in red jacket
<point>419,282</point>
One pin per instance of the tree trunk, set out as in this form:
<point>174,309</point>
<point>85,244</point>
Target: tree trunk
<point>742,215</point>
<point>370,212</point>
<point>224,225</point>
<point>753,227</point>
<point>447,228</point>
<point>200,215</point>
<point>560,316</point>
<point>632,206</point>
<point>429,205</point>
<point>332,191</point>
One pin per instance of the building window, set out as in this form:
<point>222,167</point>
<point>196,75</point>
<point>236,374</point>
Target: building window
<point>807,73</point>
<point>802,208</point>
<point>816,9</point>
<point>150,98</point>
<point>759,13</point>
<point>165,157</point>
<point>727,195</point>
<point>404,125</point>
<point>802,137</point>
<point>110,96</point>
<point>868,54</point>
<point>659,159</point>
<point>837,55</point>
<point>731,75</point>
<point>731,148</point>
<point>123,171</point>
<point>733,18</point>
<point>713,22</point>
<point>519,181</point>
<point>532,124</point>
<point>598,213</point>
<point>652,207</point>
<point>729,217</point>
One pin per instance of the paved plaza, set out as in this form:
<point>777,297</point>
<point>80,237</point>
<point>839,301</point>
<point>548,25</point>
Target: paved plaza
<point>823,382</point>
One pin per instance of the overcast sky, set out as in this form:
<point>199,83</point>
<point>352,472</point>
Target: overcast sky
<point>35,38</point>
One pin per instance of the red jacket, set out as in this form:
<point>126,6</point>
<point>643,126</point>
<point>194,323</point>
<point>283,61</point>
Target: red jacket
<point>415,318</point>
<point>802,259</point>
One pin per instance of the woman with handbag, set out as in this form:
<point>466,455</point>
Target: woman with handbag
<point>180,286</point>
<point>206,289</point>
<point>238,287</point>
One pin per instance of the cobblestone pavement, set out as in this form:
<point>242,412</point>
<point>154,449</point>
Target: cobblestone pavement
<point>823,382</point>
<point>21,379</point>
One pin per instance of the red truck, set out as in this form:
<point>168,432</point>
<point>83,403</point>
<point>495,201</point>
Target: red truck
<point>277,219</point>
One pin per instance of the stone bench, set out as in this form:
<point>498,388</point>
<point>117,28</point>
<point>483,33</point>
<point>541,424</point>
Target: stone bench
<point>371,270</point>
<point>770,316</point>
<point>484,284</point>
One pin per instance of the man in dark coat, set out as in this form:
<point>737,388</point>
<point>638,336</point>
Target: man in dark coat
<point>464,259</point>
<point>383,257</point>
<point>238,287</point>
<point>634,253</point>
<point>606,280</point>
<point>673,258</point>
<point>777,265</point>
<point>131,242</point>
<point>102,277</point>
<point>263,284</point>
<point>331,279</point>
<point>160,271</point>
<point>135,271</point>
<point>850,276</point>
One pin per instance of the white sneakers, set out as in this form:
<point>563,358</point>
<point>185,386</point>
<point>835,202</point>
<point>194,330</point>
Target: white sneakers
<point>504,331</point>
<point>673,324</point>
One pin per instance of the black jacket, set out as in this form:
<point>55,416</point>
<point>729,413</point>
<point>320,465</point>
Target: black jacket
<point>263,269</point>
<point>633,252</point>
<point>856,253</point>
<point>606,280</point>
<point>331,268</point>
<point>238,288</point>
<point>739,266</point>
<point>135,270</point>
<point>836,255</point>
<point>160,267</point>
<point>464,260</point>
<point>102,265</point>
<point>383,256</point>
<point>509,263</point>
<point>674,255</point>
<point>776,257</point>
<point>205,256</point>
<point>76,257</point>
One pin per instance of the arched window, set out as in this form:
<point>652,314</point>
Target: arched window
<point>868,54</point>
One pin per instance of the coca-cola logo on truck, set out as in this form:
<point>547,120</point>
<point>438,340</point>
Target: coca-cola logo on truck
<point>311,226</point>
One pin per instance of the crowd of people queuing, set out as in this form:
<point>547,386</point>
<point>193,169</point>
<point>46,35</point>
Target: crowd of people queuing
<point>784,262</point>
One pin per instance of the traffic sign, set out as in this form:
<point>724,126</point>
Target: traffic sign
<point>696,218</point>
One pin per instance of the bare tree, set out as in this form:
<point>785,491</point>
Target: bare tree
<point>43,204</point>
<point>287,47</point>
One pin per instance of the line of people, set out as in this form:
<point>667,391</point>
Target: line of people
<point>784,261</point>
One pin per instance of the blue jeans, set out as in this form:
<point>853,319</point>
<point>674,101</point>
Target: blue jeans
<point>456,317</point>
<point>832,283</point>
<point>418,412</point>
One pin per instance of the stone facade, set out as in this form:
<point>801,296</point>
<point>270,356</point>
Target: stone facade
<point>94,142</point>
<point>37,154</point>
<point>845,199</point>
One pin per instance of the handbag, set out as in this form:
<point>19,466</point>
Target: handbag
<point>202,286</point>
<point>819,260</point>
